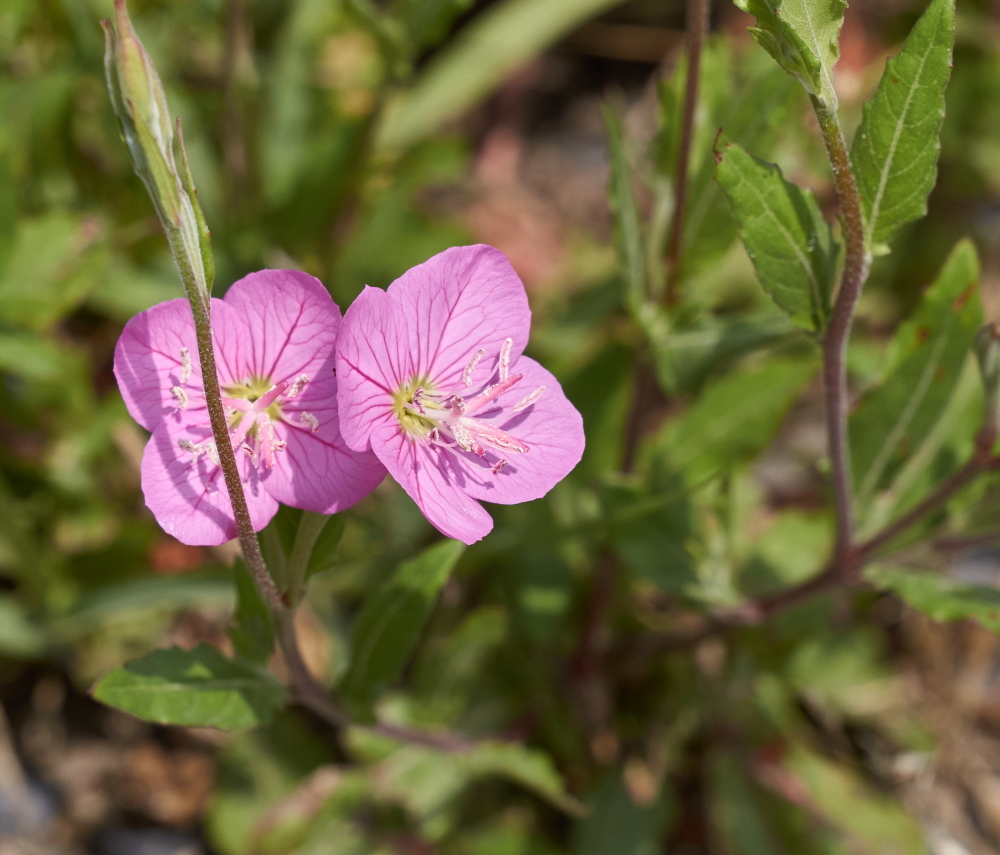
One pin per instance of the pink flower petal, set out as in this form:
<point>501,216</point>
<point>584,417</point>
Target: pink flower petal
<point>316,471</point>
<point>292,323</point>
<point>188,497</point>
<point>149,363</point>
<point>460,301</point>
<point>552,429</point>
<point>434,483</point>
<point>371,364</point>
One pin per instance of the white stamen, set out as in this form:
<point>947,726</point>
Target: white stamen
<point>466,440</point>
<point>297,386</point>
<point>195,450</point>
<point>528,400</point>
<point>279,445</point>
<point>310,420</point>
<point>505,358</point>
<point>181,396</point>
<point>252,454</point>
<point>467,373</point>
<point>185,364</point>
<point>212,452</point>
<point>418,397</point>
<point>495,469</point>
<point>458,404</point>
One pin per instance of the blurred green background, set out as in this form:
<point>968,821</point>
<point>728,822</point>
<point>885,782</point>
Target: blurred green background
<point>353,139</point>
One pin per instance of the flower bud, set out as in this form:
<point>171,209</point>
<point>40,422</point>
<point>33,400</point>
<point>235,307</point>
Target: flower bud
<point>144,120</point>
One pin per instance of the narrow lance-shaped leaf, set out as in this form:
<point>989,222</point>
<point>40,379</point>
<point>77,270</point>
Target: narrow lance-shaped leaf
<point>193,688</point>
<point>628,226</point>
<point>390,620</point>
<point>895,150</point>
<point>791,247</point>
<point>802,37</point>
<point>924,363</point>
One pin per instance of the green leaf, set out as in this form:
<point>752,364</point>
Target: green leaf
<point>324,550</point>
<point>484,53</point>
<point>791,247</point>
<point>386,630</point>
<point>733,419</point>
<point>939,597</point>
<point>426,781</point>
<point>752,107</point>
<point>193,688</point>
<point>872,821</point>
<point>925,361</point>
<point>132,599</point>
<point>253,632</point>
<point>616,825</point>
<point>628,225</point>
<point>802,37</point>
<point>51,268</point>
<point>895,151</point>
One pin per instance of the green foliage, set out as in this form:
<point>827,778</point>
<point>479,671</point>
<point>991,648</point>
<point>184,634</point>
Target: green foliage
<point>785,236</point>
<point>628,227</point>
<point>390,620</point>
<point>895,150</point>
<point>253,632</point>
<point>195,688</point>
<point>802,36</point>
<point>477,61</point>
<point>579,651</point>
<point>924,362</point>
<point>733,419</point>
<point>939,597</point>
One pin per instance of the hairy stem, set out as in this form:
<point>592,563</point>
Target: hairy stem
<point>697,28</point>
<point>838,332</point>
<point>227,460</point>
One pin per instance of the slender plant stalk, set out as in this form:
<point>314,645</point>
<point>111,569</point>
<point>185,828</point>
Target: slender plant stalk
<point>227,460</point>
<point>838,332</point>
<point>697,28</point>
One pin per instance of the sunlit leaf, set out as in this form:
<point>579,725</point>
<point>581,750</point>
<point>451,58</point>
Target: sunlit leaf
<point>896,149</point>
<point>790,245</point>
<point>802,36</point>
<point>194,688</point>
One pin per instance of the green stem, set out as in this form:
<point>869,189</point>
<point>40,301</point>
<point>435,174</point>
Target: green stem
<point>835,342</point>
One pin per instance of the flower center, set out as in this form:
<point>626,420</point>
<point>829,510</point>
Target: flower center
<point>447,420</point>
<point>252,408</point>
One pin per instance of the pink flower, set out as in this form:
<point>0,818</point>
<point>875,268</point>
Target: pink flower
<point>433,381</point>
<point>275,334</point>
